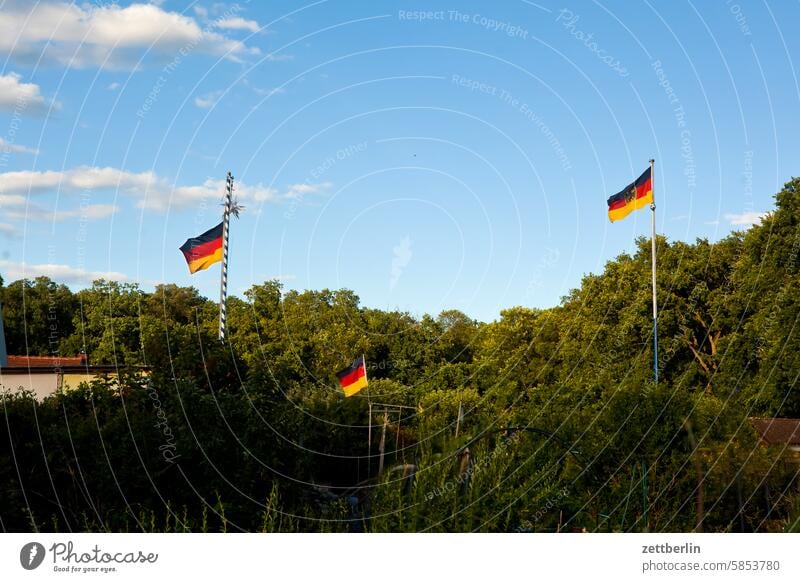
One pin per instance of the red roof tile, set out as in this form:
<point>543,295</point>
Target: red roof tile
<point>778,431</point>
<point>45,361</point>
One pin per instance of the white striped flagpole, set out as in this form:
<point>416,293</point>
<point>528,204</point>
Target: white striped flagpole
<point>223,282</point>
<point>653,251</point>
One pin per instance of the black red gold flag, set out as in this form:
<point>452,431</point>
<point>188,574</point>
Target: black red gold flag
<point>203,251</point>
<point>635,196</point>
<point>354,377</point>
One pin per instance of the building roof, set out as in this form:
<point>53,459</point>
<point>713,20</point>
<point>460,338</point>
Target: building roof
<point>45,361</point>
<point>778,431</point>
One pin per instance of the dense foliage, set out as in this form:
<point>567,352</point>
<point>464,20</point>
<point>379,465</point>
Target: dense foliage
<point>561,426</point>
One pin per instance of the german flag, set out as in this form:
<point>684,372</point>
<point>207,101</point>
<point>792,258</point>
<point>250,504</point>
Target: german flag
<point>354,377</point>
<point>635,196</point>
<point>203,251</point>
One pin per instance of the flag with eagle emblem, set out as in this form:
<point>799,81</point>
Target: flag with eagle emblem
<point>635,196</point>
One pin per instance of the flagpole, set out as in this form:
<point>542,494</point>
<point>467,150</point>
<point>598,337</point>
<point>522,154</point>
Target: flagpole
<point>653,251</point>
<point>369,440</point>
<point>364,359</point>
<point>369,428</point>
<point>223,281</point>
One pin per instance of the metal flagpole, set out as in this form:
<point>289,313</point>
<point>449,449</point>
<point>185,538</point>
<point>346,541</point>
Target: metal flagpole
<point>369,428</point>
<point>3,352</point>
<point>458,418</point>
<point>382,446</point>
<point>223,281</point>
<point>653,249</point>
<point>369,441</point>
<point>364,359</point>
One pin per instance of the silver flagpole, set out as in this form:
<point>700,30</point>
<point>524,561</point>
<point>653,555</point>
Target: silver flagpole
<point>369,429</point>
<point>223,282</point>
<point>653,249</point>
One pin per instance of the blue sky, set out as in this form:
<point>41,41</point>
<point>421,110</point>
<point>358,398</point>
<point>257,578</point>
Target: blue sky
<point>427,155</point>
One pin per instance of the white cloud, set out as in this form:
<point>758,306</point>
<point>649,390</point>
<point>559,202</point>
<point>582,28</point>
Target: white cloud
<point>81,178</point>
<point>208,101</point>
<point>21,97</point>
<point>300,190</point>
<point>109,36</point>
<point>745,218</point>
<point>89,212</point>
<point>62,273</point>
<point>269,92</point>
<point>260,193</point>
<point>211,189</point>
<point>9,230</point>
<point>238,23</point>
<point>95,211</point>
<point>273,58</point>
<point>18,207</point>
<point>113,86</point>
<point>12,148</point>
<point>151,191</point>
